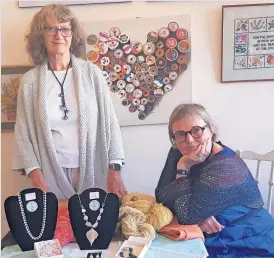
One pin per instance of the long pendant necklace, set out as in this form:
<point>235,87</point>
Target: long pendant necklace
<point>25,219</point>
<point>92,234</point>
<point>62,94</point>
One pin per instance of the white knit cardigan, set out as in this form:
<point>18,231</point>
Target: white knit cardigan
<point>100,135</point>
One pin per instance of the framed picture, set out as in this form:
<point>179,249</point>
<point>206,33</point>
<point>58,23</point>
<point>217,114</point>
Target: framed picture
<point>10,81</point>
<point>248,43</point>
<point>44,3</point>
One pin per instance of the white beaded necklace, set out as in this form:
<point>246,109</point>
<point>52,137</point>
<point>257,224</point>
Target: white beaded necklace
<point>92,234</point>
<point>25,219</point>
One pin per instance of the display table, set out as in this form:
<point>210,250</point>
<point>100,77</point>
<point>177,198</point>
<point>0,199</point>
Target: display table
<point>190,248</point>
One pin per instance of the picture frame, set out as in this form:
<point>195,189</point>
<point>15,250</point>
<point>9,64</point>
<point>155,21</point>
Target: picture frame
<point>25,4</point>
<point>247,43</point>
<point>10,81</point>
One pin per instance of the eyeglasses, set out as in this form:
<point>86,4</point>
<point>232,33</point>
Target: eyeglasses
<point>195,132</point>
<point>52,31</point>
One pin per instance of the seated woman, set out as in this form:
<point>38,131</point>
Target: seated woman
<point>206,183</point>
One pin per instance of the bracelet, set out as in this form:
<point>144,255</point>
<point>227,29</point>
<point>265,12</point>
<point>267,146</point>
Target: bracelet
<point>183,172</point>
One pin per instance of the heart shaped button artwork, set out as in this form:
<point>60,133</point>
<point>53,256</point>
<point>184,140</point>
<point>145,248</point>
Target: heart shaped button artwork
<point>141,73</point>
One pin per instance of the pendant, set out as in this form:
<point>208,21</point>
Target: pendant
<point>91,235</point>
<point>94,205</point>
<point>32,206</point>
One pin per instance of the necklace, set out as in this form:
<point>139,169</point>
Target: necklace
<point>25,219</point>
<point>62,94</point>
<point>92,234</point>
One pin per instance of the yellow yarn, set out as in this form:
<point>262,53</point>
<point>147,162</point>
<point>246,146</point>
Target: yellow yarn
<point>159,216</point>
<point>141,215</point>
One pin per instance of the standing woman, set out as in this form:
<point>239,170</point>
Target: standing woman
<point>67,134</point>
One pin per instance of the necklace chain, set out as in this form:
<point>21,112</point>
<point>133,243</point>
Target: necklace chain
<point>85,216</point>
<point>25,219</point>
<point>62,94</point>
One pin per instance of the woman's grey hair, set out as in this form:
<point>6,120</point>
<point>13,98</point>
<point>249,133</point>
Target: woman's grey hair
<point>191,110</point>
<point>35,42</point>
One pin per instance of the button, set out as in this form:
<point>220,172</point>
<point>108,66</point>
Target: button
<point>117,68</point>
<point>149,48</point>
<point>183,46</point>
<point>152,36</point>
<point>149,107</point>
<point>105,61</point>
<point>158,92</point>
<point>171,43</point>
<point>137,93</point>
<point>182,68</point>
<point>109,83</point>
<point>121,76</point>
<point>121,84</point>
<point>182,59</point>
<point>161,62</point>
<point>114,88</point>
<point>163,33</point>
<point>158,83</point>
<point>140,76</point>
<point>159,52</point>
<point>93,56</point>
<point>140,59</point>
<point>144,101</point>
<point>149,79</point>
<point>137,67</point>
<point>137,48</point>
<point>145,68</point>
<point>105,74</point>
<point>181,34</point>
<point>150,60</point>
<point>130,77</point>
<point>166,80</point>
<point>174,67</point>
<point>131,59</point>
<point>122,94</point>
<point>160,44</point>
<point>102,48</point>
<point>136,102</point>
<point>171,54</point>
<point>113,76</point>
<point>151,99</point>
<point>118,53</point>
<point>123,38</point>
<point>103,36</point>
<point>125,102</point>
<point>127,49</point>
<point>113,43</point>
<point>173,76</point>
<point>168,88</point>
<point>92,40</point>
<point>146,93</point>
<point>132,108</point>
<point>136,83</point>
<point>153,70</point>
<point>142,115</point>
<point>173,26</point>
<point>114,32</point>
<point>126,69</point>
<point>167,70</point>
<point>141,108</point>
<point>130,88</point>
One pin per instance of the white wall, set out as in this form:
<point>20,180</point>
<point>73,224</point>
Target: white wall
<point>243,111</point>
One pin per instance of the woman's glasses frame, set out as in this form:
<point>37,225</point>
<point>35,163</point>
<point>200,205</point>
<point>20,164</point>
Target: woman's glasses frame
<point>52,31</point>
<point>193,132</point>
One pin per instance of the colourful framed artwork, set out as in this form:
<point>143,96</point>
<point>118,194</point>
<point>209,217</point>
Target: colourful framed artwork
<point>10,81</point>
<point>248,43</point>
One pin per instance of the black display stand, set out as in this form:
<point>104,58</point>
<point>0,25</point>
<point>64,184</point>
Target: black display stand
<point>107,224</point>
<point>34,219</point>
